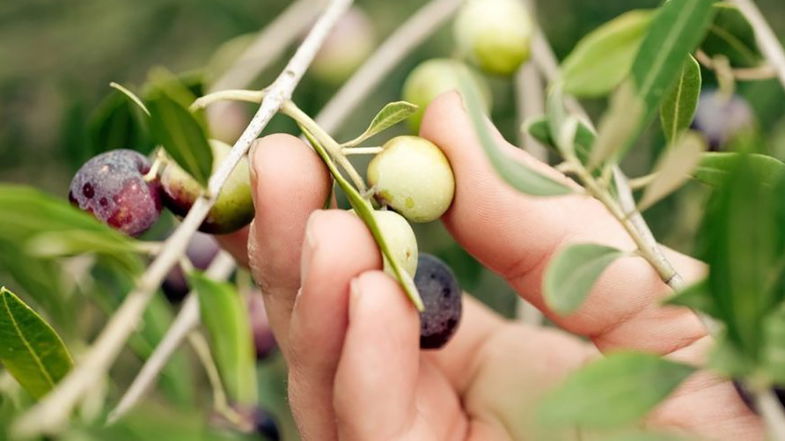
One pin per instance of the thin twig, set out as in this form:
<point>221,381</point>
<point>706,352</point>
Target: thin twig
<point>530,102</point>
<point>405,39</point>
<point>763,72</point>
<point>53,411</point>
<point>186,321</point>
<point>767,40</point>
<point>771,411</point>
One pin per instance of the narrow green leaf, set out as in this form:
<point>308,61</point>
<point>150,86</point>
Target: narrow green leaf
<point>226,320</point>
<point>618,125</point>
<point>646,436</point>
<point>674,168</point>
<point>539,128</point>
<point>516,174</point>
<point>29,348</point>
<point>678,108</point>
<point>732,36</point>
<point>602,59</point>
<point>572,273</point>
<point>364,211</point>
<point>116,123</point>
<point>715,167</point>
<point>74,242</point>
<point>131,96</point>
<point>742,241</point>
<point>613,391</point>
<point>675,31</point>
<point>29,213</point>
<point>697,297</point>
<point>181,135</point>
<point>390,115</point>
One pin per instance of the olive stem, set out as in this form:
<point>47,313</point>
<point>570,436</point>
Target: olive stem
<point>762,72</point>
<point>52,412</point>
<point>186,321</point>
<point>331,145</point>
<point>248,96</point>
<point>767,40</point>
<point>407,37</point>
<point>361,150</point>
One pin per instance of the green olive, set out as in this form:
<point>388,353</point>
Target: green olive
<point>495,35</point>
<point>412,176</point>
<point>400,238</point>
<point>349,44</point>
<point>234,208</point>
<point>434,77</point>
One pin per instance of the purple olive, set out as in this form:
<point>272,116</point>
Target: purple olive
<point>112,187</point>
<point>442,297</point>
<point>201,250</point>
<point>721,117</point>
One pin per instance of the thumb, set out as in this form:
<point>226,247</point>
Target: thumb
<point>516,235</point>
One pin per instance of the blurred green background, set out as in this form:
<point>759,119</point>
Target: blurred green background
<point>58,57</point>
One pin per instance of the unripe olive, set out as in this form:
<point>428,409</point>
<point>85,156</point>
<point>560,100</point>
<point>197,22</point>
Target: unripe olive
<point>495,35</point>
<point>434,77</point>
<point>227,120</point>
<point>412,176</point>
<point>234,208</point>
<point>349,44</point>
<point>400,238</point>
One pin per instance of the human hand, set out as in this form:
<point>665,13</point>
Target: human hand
<point>350,336</point>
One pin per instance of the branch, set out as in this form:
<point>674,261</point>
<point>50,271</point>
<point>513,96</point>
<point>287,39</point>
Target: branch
<point>771,412</point>
<point>186,321</point>
<point>408,36</point>
<point>767,41</point>
<point>53,411</point>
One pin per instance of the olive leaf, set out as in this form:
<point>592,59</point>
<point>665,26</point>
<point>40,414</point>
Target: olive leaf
<point>715,167</point>
<point>390,115</point>
<point>602,59</point>
<point>613,391</point>
<point>181,135</point>
<point>74,242</point>
<point>130,95</point>
<point>116,123</point>
<point>224,315</point>
<point>674,32</point>
<point>30,349</point>
<point>35,221</point>
<point>742,241</point>
<point>539,129</point>
<point>673,168</point>
<point>732,36</point>
<point>515,173</point>
<point>678,107</point>
<point>695,296</point>
<point>572,273</point>
<point>364,211</point>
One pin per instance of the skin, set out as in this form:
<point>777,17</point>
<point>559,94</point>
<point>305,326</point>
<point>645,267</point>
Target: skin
<point>484,384</point>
